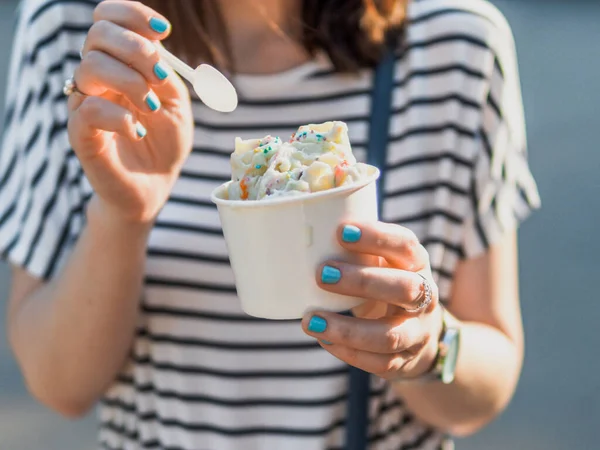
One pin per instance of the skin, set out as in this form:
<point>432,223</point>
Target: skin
<point>90,330</point>
<point>385,340</point>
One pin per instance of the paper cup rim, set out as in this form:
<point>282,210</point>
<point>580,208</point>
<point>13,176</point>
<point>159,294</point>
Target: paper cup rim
<point>294,198</point>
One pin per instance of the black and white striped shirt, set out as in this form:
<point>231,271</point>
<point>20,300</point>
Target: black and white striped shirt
<point>202,375</point>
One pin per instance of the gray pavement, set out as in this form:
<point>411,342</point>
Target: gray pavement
<point>557,406</point>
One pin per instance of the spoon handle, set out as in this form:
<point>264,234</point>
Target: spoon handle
<point>178,65</point>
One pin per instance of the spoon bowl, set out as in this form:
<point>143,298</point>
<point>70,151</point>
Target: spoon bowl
<point>211,86</point>
<point>214,89</point>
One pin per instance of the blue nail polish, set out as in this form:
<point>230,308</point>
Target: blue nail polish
<point>323,341</point>
<point>159,25</point>
<point>152,101</point>
<point>160,70</point>
<point>330,275</point>
<point>317,324</point>
<point>351,234</point>
<point>140,130</point>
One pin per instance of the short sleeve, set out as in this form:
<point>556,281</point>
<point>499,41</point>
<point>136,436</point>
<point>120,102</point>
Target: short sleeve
<point>503,191</point>
<point>41,195</point>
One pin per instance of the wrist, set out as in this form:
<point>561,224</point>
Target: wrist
<point>445,362</point>
<point>428,357</point>
<point>104,220</point>
<point>430,353</point>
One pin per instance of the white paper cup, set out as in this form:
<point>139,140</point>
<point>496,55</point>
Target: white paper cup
<point>276,246</point>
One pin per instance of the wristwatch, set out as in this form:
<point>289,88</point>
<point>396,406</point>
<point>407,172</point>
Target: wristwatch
<point>444,366</point>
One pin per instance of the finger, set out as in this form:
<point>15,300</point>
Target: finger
<point>74,101</point>
<point>134,16</point>
<point>130,48</point>
<point>397,244</point>
<point>99,73</point>
<point>393,286</point>
<point>94,116</point>
<point>387,366</point>
<point>388,335</point>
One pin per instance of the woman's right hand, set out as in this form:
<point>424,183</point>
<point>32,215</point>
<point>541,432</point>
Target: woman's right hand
<point>133,128</point>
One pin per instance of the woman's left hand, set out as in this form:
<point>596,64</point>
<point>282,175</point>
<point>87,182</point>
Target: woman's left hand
<point>383,337</point>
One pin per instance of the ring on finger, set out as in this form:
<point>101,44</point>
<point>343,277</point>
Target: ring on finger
<point>70,87</point>
<point>425,298</point>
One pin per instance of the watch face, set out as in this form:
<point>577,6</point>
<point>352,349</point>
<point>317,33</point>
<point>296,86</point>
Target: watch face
<point>452,340</point>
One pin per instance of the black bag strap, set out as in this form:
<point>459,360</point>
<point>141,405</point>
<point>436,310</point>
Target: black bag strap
<point>381,104</point>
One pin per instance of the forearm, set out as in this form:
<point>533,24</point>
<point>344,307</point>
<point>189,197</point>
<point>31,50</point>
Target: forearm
<point>72,335</point>
<point>487,373</point>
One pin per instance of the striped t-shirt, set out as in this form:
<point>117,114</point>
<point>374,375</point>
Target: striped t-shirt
<point>202,374</point>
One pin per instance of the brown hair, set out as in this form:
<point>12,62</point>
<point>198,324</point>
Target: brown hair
<point>352,32</point>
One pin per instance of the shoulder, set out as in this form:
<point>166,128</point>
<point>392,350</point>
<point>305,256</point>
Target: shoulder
<point>474,23</point>
<point>45,21</point>
<point>470,33</point>
<point>477,18</point>
<point>48,30</point>
<point>43,12</point>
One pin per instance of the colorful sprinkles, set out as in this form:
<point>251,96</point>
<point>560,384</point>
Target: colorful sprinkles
<point>288,166</point>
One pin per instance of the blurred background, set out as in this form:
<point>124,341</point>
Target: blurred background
<point>557,405</point>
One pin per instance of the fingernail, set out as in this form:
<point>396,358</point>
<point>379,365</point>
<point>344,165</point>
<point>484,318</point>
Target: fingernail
<point>159,25</point>
<point>351,234</point>
<point>140,130</point>
<point>152,101</point>
<point>330,275</point>
<point>317,324</point>
<point>160,70</point>
<point>323,341</point>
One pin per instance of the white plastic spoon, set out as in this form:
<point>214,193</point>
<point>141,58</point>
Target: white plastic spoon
<point>212,87</point>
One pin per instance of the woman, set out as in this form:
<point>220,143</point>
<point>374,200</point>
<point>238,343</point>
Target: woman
<point>122,289</point>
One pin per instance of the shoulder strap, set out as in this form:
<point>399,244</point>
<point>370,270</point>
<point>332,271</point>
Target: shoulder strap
<point>381,109</point>
<point>381,104</point>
